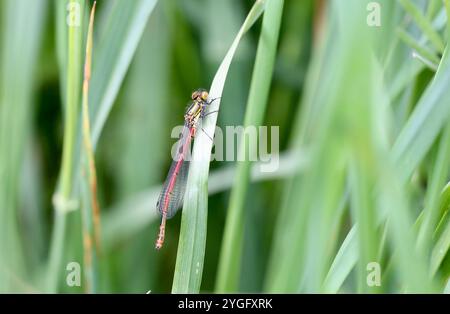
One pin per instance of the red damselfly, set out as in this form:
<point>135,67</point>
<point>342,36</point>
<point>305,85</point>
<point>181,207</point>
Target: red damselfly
<point>171,197</point>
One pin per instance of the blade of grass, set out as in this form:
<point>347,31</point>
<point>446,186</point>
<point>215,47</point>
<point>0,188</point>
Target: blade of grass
<point>222,30</point>
<point>400,71</point>
<point>347,255</point>
<point>303,237</point>
<point>344,261</point>
<point>61,28</point>
<point>444,207</point>
<point>442,244</point>
<point>447,12</point>
<point>117,46</point>
<point>438,178</point>
<point>406,258</point>
<point>447,287</point>
<point>424,24</point>
<point>90,208</point>
<point>421,49</point>
<point>22,24</point>
<point>306,117</point>
<point>427,62</point>
<point>370,119</point>
<point>421,130</point>
<point>426,121</point>
<point>145,89</point>
<point>400,218</point>
<point>364,213</point>
<point>432,8</point>
<point>231,251</point>
<point>115,51</point>
<point>362,245</point>
<point>62,198</point>
<point>352,107</point>
<point>33,222</point>
<point>191,247</point>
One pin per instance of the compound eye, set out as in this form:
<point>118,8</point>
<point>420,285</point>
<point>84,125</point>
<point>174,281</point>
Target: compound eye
<point>194,95</point>
<point>204,95</point>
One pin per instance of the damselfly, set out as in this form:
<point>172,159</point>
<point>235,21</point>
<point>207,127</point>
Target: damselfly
<point>171,197</point>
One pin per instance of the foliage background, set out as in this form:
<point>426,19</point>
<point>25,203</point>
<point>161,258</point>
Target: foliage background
<point>364,133</point>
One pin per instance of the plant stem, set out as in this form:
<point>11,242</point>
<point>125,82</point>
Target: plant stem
<point>231,251</point>
<point>90,207</point>
<point>62,198</point>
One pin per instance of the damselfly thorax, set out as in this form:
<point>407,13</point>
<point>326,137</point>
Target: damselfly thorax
<point>197,108</point>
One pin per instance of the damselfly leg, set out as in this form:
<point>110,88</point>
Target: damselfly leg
<point>212,100</point>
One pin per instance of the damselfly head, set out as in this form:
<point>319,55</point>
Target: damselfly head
<point>200,93</point>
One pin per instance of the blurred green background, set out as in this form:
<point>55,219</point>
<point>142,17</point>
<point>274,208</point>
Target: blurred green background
<point>363,112</point>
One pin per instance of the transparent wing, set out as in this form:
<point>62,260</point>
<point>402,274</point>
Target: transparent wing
<point>171,198</point>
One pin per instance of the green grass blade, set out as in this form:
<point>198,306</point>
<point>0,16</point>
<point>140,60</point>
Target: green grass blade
<point>343,263</point>
<point>426,121</point>
<point>447,12</point>
<point>306,117</point>
<point>442,245</point>
<point>90,209</point>
<point>22,23</point>
<point>364,131</point>
<point>231,252</point>
<point>364,213</point>
<point>62,198</point>
<point>115,51</point>
<point>424,24</point>
<point>191,247</point>
<point>61,28</point>
<point>447,287</point>
<point>432,9</point>
<point>146,89</point>
<point>304,232</point>
<point>421,49</point>
<point>73,88</point>
<point>401,234</point>
<point>430,114</point>
<point>438,178</point>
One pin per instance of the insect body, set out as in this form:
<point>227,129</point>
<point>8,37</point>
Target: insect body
<point>171,197</point>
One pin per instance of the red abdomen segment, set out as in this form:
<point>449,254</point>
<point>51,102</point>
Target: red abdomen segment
<point>171,197</point>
